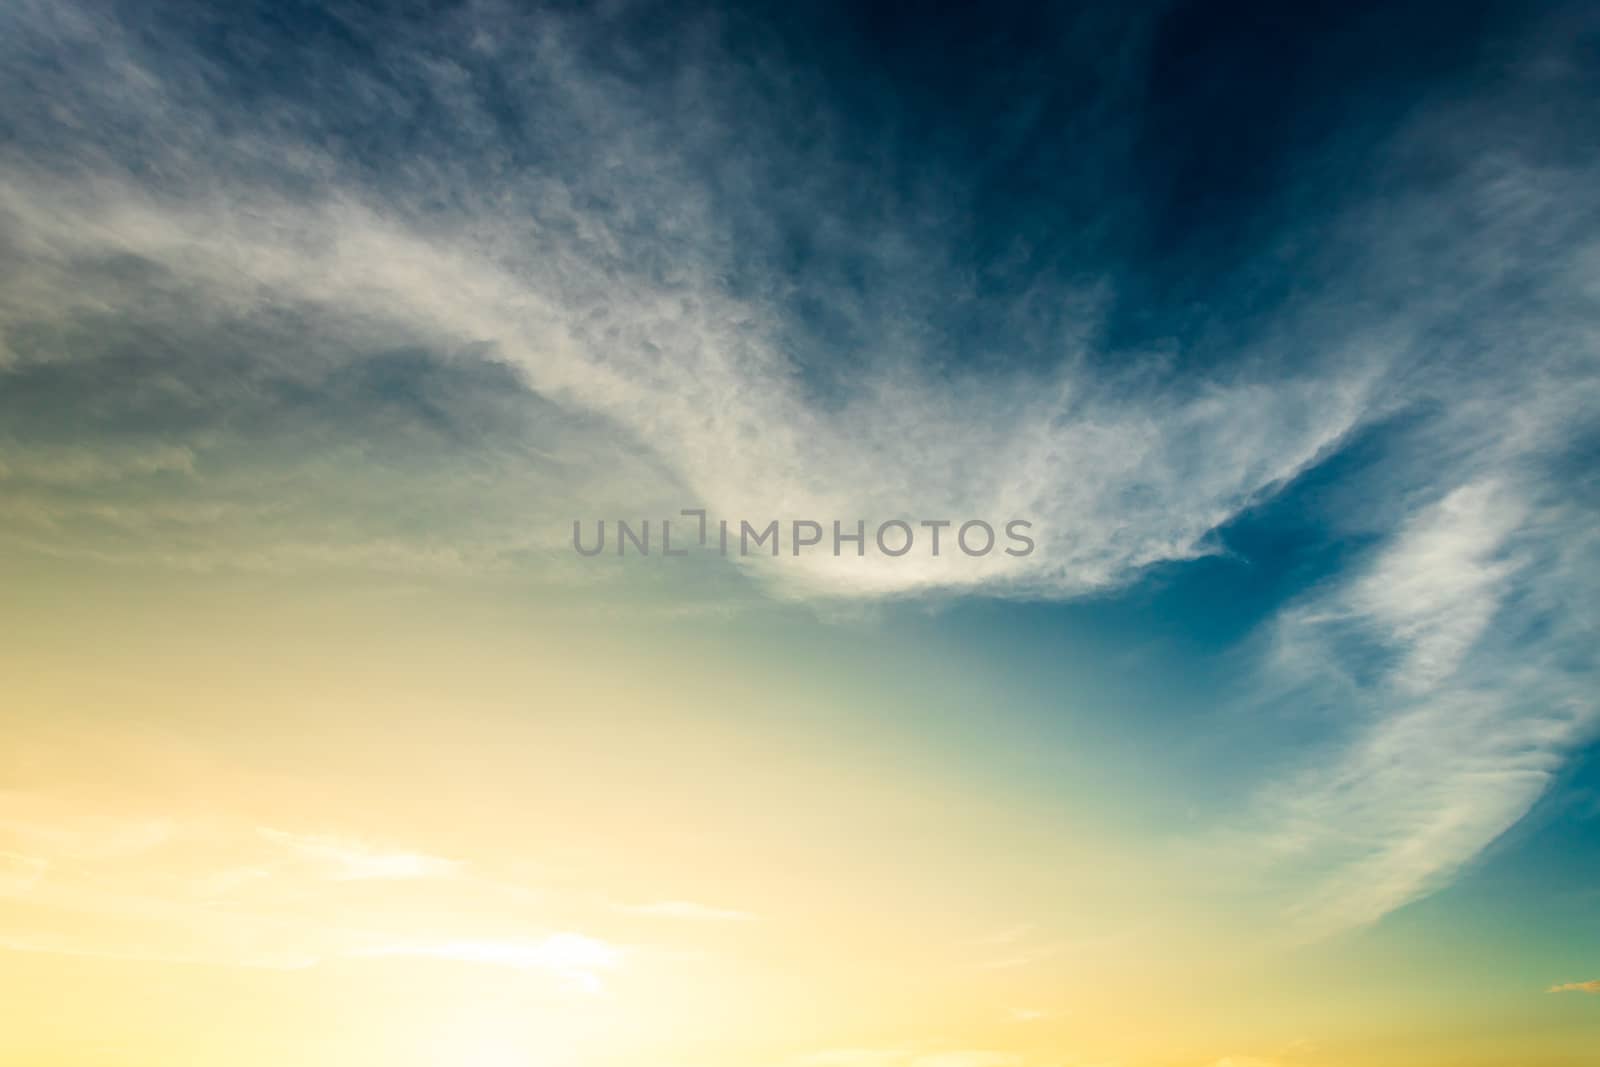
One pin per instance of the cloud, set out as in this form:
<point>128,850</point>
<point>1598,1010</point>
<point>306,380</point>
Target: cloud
<point>621,314</point>
<point>210,890</point>
<point>77,466</point>
<point>1456,717</point>
<point>689,911</point>
<point>1576,987</point>
<point>1435,589</point>
<point>577,960</point>
<point>906,1057</point>
<point>1023,957</point>
<point>343,860</point>
<point>589,273</point>
<point>1437,682</point>
<point>739,435</point>
<point>267,959</point>
<point>967,1058</point>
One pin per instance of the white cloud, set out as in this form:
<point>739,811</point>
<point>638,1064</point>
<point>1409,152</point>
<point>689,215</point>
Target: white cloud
<point>577,960</point>
<point>211,891</point>
<point>1457,654</point>
<point>907,1057</point>
<point>1115,471</point>
<point>688,910</point>
<point>1457,720</point>
<point>1436,587</point>
<point>344,860</point>
<point>1111,481</point>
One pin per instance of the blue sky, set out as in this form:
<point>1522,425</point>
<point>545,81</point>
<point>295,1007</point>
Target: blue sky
<point>1279,323</point>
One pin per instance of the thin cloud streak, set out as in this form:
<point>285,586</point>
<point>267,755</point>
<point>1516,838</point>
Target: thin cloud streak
<point>689,911</point>
<point>677,363</point>
<point>1577,987</point>
<point>350,861</point>
<point>575,959</point>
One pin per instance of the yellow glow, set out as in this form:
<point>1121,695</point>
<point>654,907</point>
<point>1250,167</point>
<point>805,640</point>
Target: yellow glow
<point>322,838</point>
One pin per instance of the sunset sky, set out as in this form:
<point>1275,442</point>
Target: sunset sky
<point>321,326</point>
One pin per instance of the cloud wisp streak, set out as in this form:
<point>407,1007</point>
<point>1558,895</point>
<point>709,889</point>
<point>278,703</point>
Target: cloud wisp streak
<point>210,892</point>
<point>1577,987</point>
<point>688,911</point>
<point>671,358</point>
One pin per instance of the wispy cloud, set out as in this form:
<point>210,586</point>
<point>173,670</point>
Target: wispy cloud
<point>1577,987</point>
<point>900,1057</point>
<point>689,911</point>
<point>576,959</point>
<point>345,860</point>
<point>1444,675</point>
<point>595,266</point>
<point>1457,719</point>
<point>214,892</point>
<point>578,305</point>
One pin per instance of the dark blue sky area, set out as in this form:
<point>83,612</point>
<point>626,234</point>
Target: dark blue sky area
<point>1195,156</point>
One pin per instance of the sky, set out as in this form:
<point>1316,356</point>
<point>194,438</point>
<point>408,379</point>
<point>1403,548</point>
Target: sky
<point>331,334</point>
